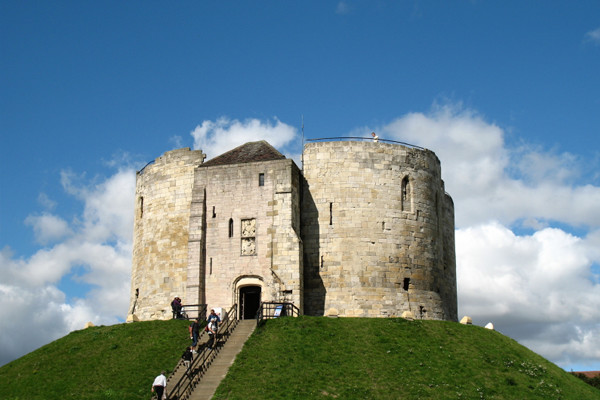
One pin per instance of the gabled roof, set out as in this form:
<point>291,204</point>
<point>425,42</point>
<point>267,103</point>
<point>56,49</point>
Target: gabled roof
<point>246,153</point>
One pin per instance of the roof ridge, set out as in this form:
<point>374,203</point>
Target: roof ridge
<point>256,151</point>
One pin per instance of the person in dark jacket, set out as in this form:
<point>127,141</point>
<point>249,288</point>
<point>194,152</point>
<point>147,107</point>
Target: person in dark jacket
<point>187,358</point>
<point>176,306</point>
<point>194,330</point>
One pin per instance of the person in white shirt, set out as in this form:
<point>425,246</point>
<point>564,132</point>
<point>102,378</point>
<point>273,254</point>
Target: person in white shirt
<point>159,385</point>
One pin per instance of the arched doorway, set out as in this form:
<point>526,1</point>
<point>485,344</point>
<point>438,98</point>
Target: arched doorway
<point>249,301</point>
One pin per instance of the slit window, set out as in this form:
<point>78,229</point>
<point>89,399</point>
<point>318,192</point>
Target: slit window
<point>214,213</point>
<point>406,194</point>
<point>406,283</point>
<point>330,213</point>
<point>230,227</point>
<point>141,203</point>
<point>210,268</point>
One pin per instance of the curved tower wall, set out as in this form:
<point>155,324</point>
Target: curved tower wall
<point>161,230</point>
<point>378,232</point>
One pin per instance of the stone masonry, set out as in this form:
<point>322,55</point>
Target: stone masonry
<point>365,230</point>
<point>160,243</point>
<point>378,232</point>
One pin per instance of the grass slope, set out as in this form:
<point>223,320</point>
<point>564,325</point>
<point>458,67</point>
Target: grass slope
<point>345,358</point>
<point>105,362</point>
<point>300,358</point>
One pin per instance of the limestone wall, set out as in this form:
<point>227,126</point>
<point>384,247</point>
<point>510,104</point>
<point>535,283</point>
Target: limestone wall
<point>366,230</point>
<point>250,231</point>
<point>162,213</point>
<point>377,232</point>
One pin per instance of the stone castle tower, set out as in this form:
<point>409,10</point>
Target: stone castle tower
<point>364,230</point>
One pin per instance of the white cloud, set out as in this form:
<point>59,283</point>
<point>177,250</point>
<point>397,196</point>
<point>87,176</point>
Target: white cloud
<point>536,288</point>
<point>48,228</point>
<point>98,245</point>
<point>542,276</point>
<point>489,180</point>
<point>593,36</point>
<point>224,134</point>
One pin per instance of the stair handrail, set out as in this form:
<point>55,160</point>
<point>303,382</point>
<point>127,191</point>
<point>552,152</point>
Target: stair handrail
<point>182,389</point>
<point>191,311</point>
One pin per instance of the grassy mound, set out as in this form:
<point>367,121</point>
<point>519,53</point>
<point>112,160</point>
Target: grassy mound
<point>105,362</point>
<point>300,358</point>
<point>346,358</point>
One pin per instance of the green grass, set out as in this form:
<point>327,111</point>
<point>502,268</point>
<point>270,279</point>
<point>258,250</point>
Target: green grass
<point>345,358</point>
<point>300,358</point>
<point>105,362</point>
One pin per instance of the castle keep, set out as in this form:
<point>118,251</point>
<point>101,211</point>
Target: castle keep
<point>364,230</point>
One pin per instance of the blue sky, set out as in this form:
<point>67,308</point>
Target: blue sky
<point>506,93</point>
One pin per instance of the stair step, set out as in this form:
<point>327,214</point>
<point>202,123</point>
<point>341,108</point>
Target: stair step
<point>218,369</point>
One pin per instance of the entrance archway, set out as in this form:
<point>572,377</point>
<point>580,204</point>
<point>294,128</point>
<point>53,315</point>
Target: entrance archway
<point>249,301</point>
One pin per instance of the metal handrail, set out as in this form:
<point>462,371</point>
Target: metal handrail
<point>182,389</point>
<point>274,309</point>
<point>365,138</point>
<point>149,162</point>
<point>191,311</point>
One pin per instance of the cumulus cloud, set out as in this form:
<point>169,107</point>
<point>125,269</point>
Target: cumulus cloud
<point>539,288</point>
<point>48,228</point>
<point>536,288</point>
<point>97,245</point>
<point>224,134</point>
<point>489,180</point>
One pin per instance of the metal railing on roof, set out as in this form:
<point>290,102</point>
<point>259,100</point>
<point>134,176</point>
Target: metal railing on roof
<point>358,138</point>
<point>144,167</point>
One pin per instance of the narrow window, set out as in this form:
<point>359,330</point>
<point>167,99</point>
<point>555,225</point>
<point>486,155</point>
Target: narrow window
<point>261,179</point>
<point>330,213</point>
<point>406,194</point>
<point>214,212</point>
<point>406,283</point>
<point>141,206</point>
<point>230,227</point>
<point>210,270</point>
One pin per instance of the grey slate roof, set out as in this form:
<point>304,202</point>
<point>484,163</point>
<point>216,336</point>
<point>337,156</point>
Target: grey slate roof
<point>246,153</point>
